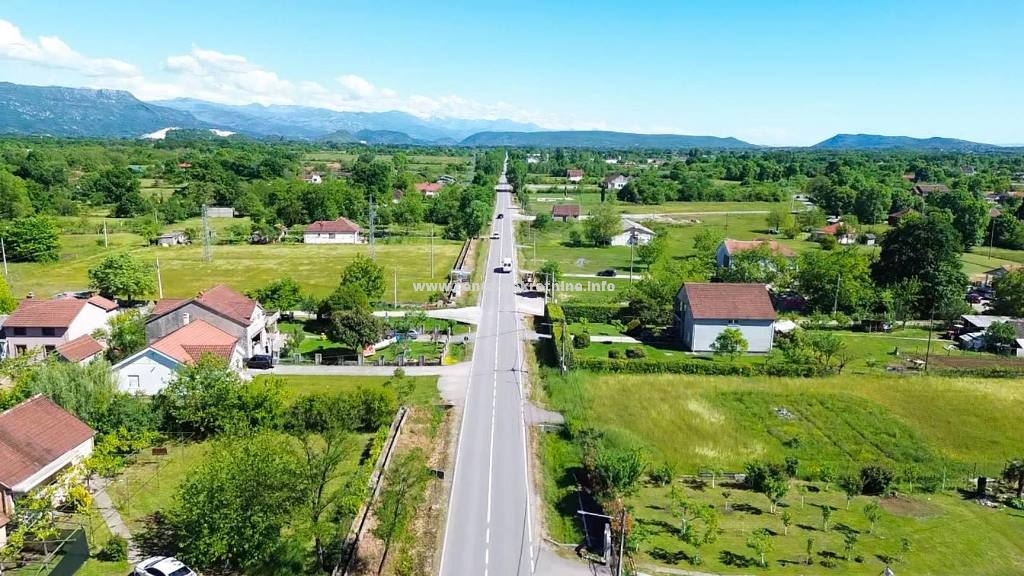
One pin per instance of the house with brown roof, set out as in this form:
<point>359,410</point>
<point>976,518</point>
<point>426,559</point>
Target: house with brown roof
<point>729,248</point>
<point>228,310</point>
<point>703,310</point>
<point>565,211</point>
<point>895,217</point>
<point>926,189</point>
<point>39,326</point>
<point>151,369</point>
<point>81,350</point>
<point>38,440</point>
<point>614,182</point>
<point>844,235</point>
<point>339,231</point>
<point>429,189</point>
<point>574,175</point>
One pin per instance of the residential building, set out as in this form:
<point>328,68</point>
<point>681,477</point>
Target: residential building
<point>222,307</point>
<point>38,327</point>
<point>38,440</point>
<point>895,217</point>
<point>996,273</point>
<point>614,182</point>
<point>565,211</point>
<point>151,369</point>
<point>313,178</point>
<point>926,189</point>
<point>703,310</point>
<point>870,239</point>
<point>172,238</point>
<point>429,189</point>
<point>220,212</point>
<point>574,175</point>
<point>843,234</point>
<point>340,231</point>
<point>632,234</point>
<point>81,350</point>
<point>729,248</point>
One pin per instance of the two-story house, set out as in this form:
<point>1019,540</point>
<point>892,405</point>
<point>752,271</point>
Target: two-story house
<point>702,311</point>
<point>231,312</point>
<point>39,326</point>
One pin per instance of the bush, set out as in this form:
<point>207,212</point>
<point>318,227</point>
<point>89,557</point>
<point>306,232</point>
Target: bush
<point>828,242</point>
<point>632,328</point>
<point>581,340</point>
<point>615,354</point>
<point>115,550</point>
<point>1016,503</point>
<point>635,353</point>
<point>876,479</point>
<point>663,474</point>
<point>601,313</point>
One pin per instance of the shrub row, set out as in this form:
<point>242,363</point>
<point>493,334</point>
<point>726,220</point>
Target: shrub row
<point>600,313</point>
<point>690,367</point>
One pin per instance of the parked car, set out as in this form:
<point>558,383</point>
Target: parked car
<point>500,215</point>
<point>608,272</point>
<point>260,362</point>
<point>974,298</point>
<point>495,235</point>
<point>162,566</point>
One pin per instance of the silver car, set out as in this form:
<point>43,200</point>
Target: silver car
<point>163,566</point>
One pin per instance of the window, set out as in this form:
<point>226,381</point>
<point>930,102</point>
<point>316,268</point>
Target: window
<point>331,236</point>
<point>21,349</point>
<point>49,350</point>
<point>133,382</point>
<point>49,332</point>
<point>20,331</point>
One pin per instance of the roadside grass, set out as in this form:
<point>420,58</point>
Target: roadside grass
<point>317,268</point>
<point>424,391</point>
<point>148,485</point>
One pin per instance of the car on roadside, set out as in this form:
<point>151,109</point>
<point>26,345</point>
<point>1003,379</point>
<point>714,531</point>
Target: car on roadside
<point>260,362</point>
<point>162,566</point>
<point>500,215</point>
<point>608,273</point>
<point>495,235</point>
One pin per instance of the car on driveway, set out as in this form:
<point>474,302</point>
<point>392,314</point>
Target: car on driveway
<point>608,272</point>
<point>260,362</point>
<point>162,566</point>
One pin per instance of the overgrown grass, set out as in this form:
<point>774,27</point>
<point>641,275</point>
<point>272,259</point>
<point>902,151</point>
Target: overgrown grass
<point>424,390</point>
<point>148,485</point>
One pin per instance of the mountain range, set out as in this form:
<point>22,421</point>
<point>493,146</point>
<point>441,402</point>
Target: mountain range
<point>81,112</point>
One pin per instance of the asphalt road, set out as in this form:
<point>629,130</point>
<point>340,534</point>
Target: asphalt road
<point>490,528</point>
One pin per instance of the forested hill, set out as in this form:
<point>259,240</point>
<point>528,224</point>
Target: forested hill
<point>56,111</point>
<point>601,139</point>
<point>879,142</point>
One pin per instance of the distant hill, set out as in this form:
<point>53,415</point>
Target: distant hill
<point>878,142</point>
<point>389,138</point>
<point>78,112</point>
<point>339,137</point>
<point>601,139</point>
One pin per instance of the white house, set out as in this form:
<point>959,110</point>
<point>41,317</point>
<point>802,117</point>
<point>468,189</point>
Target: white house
<point>574,175</point>
<point>149,370</point>
<point>173,238</point>
<point>614,182</point>
<point>40,326</point>
<point>702,311</point>
<point>340,231</point>
<point>632,234</point>
<point>729,248</point>
<point>231,312</point>
<point>313,178</point>
<point>38,439</point>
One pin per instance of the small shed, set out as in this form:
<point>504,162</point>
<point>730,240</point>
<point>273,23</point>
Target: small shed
<point>220,212</point>
<point>172,238</point>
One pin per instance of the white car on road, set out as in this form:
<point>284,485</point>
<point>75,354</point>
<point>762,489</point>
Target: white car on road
<point>162,566</point>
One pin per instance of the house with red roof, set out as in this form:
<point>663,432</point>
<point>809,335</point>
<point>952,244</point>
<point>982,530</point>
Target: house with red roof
<point>39,326</point>
<point>38,440</point>
<point>151,369</point>
<point>565,211</point>
<point>81,350</point>
<point>220,306</point>
<point>703,310</point>
<point>429,189</point>
<point>339,231</point>
<point>844,235</point>
<point>574,175</point>
<point>729,248</point>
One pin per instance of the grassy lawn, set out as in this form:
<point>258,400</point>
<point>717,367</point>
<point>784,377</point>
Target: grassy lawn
<point>316,267</point>
<point>943,427</point>
<point>425,391</point>
<point>148,485</point>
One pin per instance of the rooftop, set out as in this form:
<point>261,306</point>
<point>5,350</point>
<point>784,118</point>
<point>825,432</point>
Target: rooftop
<point>60,313</point>
<point>85,346</point>
<point>198,337</point>
<point>734,246</point>
<point>221,299</point>
<point>724,301</point>
<point>33,434</point>
<point>339,226</point>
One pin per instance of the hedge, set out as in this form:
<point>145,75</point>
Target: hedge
<point>600,313</point>
<point>690,367</point>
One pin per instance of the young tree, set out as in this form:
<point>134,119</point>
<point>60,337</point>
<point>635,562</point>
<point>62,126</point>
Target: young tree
<point>1009,300</point>
<point>730,343</point>
<point>707,240</point>
<point>827,474</point>
<point>619,470</point>
<point>649,253</point>
<point>787,521</point>
<point>849,544</point>
<point>542,221</point>
<point>905,548</point>
<point>825,347</point>
<point>826,517</point>
<point>122,275</point>
<point>873,513</point>
<point>1014,472</point>
<point>779,219</point>
<point>401,495</point>
<point>852,486</point>
<point>283,294</point>
<point>32,239</point>
<point>550,271</point>
<point>1000,337</point>
<point>127,335</point>
<point>320,471</point>
<point>760,541</point>
<point>810,550</point>
<point>699,526</point>
<point>356,329</point>
<point>604,223</point>
<point>365,274</point>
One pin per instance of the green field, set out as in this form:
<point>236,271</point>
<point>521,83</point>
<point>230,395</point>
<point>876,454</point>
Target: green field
<point>425,391</point>
<point>316,268</point>
<point>950,428</point>
<point>542,202</point>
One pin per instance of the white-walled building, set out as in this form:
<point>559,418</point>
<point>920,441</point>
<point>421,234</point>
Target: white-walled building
<point>632,234</point>
<point>340,231</point>
<point>38,326</point>
<point>703,310</point>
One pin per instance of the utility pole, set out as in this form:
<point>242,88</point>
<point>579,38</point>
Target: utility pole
<point>3,248</point>
<point>105,244</point>
<point>931,326</point>
<point>159,280</point>
<point>991,238</point>
<point>396,286</point>
<point>207,249</point>
<point>835,301</point>
<point>622,540</point>
<point>373,229</point>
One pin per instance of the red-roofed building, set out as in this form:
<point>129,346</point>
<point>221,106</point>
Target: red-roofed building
<point>565,211</point>
<point>729,248</point>
<point>574,175</point>
<point>843,234</point>
<point>228,310</point>
<point>38,440</point>
<point>703,311</point>
<point>340,231</point>
<point>429,189</point>
<point>81,350</point>
<point>152,368</point>
<point>895,217</point>
<point>39,326</point>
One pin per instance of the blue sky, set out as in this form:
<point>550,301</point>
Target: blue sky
<point>783,73</point>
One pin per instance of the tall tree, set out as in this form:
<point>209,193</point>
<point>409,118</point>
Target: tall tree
<point>603,224</point>
<point>32,239</point>
<point>367,275</point>
<point>320,481</point>
<point>1009,299</point>
<point>122,275</point>
<point>127,335</point>
<point>970,214</point>
<point>14,199</point>
<point>839,279</point>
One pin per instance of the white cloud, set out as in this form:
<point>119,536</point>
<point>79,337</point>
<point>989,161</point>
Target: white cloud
<point>52,52</point>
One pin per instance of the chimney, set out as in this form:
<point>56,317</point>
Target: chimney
<point>30,295</point>
<point>185,319</point>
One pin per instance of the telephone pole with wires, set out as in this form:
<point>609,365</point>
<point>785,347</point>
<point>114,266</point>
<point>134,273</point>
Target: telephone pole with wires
<point>373,229</point>
<point>207,248</point>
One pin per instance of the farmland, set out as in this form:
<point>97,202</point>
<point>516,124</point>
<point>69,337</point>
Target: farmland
<point>943,429</point>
